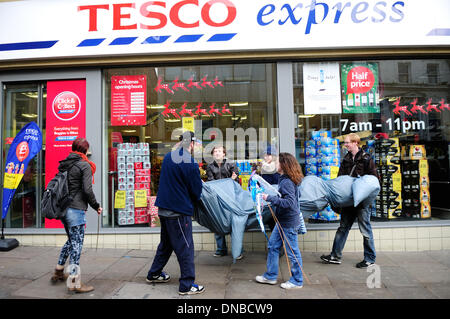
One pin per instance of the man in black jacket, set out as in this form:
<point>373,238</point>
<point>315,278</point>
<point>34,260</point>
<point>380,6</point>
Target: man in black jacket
<point>219,169</point>
<point>355,163</point>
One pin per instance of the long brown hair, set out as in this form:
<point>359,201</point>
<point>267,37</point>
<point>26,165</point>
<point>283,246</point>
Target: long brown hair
<point>291,167</point>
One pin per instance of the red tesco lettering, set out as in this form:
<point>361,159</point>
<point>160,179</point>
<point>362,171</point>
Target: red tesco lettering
<point>157,13</point>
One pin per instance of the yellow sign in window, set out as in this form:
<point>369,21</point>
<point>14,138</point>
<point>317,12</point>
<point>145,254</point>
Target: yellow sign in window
<point>119,199</point>
<point>140,198</point>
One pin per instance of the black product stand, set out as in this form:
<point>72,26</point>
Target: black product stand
<point>7,244</point>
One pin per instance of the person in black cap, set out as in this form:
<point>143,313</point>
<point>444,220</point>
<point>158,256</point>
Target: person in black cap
<point>269,166</point>
<point>179,186</point>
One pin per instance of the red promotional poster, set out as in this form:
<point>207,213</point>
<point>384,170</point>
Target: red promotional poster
<point>128,100</point>
<point>66,121</point>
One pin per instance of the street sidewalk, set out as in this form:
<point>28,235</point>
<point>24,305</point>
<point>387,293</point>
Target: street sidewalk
<point>120,274</point>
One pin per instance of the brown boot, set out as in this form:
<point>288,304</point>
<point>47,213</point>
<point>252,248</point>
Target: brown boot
<point>58,275</point>
<point>74,284</point>
<point>82,288</point>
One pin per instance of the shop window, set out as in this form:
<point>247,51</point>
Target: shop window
<point>433,73</point>
<point>22,104</point>
<point>403,125</point>
<point>403,72</point>
<point>208,99</point>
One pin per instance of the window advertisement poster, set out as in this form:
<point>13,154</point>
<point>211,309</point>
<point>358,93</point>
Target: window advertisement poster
<point>128,100</point>
<point>360,89</point>
<point>66,121</point>
<point>322,88</point>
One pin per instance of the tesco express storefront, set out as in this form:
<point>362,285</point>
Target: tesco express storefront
<point>281,73</point>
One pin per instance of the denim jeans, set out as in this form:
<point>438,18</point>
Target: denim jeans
<point>348,216</point>
<point>221,244</point>
<point>293,252</point>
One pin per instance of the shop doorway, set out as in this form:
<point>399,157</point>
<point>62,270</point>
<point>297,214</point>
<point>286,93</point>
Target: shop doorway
<point>24,103</point>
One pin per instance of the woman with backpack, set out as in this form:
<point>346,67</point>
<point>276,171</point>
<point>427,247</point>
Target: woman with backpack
<point>80,179</point>
<point>287,219</point>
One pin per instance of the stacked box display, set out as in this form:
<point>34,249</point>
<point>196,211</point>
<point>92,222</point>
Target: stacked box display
<point>322,153</point>
<point>133,163</point>
<point>416,194</point>
<point>387,158</point>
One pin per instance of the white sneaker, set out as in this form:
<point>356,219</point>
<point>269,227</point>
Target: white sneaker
<point>290,285</point>
<point>264,280</point>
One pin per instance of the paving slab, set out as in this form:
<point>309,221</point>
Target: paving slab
<point>313,291</point>
<point>250,289</point>
<point>125,268</point>
<point>441,290</point>
<point>417,292</point>
<point>43,288</point>
<point>361,291</point>
<point>103,289</point>
<point>396,276</point>
<point>9,285</point>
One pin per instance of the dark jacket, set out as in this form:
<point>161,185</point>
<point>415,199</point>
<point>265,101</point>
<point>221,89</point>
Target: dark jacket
<point>226,169</point>
<point>272,179</point>
<point>364,165</point>
<point>179,183</point>
<point>287,209</point>
<point>80,182</point>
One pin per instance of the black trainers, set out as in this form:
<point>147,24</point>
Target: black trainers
<point>195,289</point>
<point>162,277</point>
<point>220,254</point>
<point>331,259</point>
<point>364,264</point>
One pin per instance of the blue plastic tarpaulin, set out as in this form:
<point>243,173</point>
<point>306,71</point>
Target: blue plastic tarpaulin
<point>225,208</point>
<point>339,192</point>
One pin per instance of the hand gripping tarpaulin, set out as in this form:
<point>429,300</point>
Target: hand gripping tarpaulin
<point>225,208</point>
<point>342,191</point>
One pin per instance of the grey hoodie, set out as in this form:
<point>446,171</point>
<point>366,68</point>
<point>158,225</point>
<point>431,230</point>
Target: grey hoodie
<point>80,182</point>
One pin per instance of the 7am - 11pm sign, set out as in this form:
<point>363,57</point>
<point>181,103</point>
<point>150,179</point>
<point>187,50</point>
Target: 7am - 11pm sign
<point>360,88</point>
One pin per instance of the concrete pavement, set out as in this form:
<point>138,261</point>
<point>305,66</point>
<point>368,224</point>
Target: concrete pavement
<point>120,274</point>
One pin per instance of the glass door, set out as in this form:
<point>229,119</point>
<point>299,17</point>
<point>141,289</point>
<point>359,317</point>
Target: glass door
<point>24,103</point>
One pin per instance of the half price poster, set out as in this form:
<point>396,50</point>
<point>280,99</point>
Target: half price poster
<point>128,100</point>
<point>360,88</point>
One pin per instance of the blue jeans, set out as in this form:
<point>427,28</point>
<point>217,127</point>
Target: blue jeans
<point>293,252</point>
<point>348,216</point>
<point>221,244</point>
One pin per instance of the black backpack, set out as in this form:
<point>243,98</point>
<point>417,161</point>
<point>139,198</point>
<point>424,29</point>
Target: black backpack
<point>56,197</point>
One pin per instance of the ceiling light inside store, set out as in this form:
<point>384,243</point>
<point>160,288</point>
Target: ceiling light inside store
<point>155,106</point>
<point>34,95</point>
<point>244,117</point>
<point>306,116</point>
<point>29,115</point>
<point>172,120</point>
<point>238,103</point>
<point>148,137</point>
<point>129,131</point>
